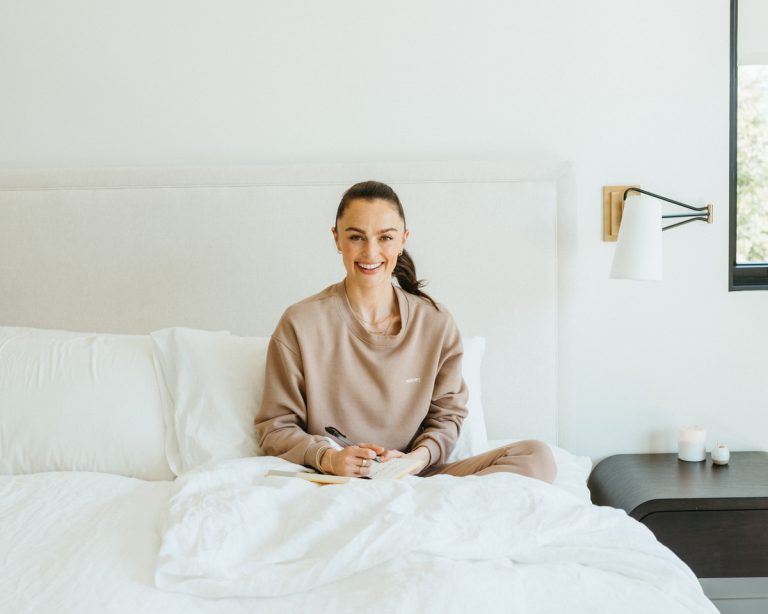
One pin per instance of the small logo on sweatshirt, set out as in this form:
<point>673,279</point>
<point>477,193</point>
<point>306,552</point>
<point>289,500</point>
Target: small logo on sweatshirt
<point>413,380</point>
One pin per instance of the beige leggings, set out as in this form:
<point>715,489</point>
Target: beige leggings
<point>531,458</point>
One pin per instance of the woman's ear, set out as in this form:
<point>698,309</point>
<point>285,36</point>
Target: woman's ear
<point>335,238</point>
<point>406,234</point>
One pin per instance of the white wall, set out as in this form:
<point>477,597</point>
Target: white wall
<point>631,91</point>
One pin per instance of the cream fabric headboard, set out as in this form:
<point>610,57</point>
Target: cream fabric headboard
<point>134,250</point>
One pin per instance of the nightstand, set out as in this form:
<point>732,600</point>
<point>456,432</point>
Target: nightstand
<point>715,518</point>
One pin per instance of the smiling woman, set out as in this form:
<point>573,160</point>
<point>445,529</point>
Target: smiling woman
<point>379,361</point>
<point>370,234</point>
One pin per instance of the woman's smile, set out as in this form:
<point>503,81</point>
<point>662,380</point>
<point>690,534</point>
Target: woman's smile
<point>369,268</point>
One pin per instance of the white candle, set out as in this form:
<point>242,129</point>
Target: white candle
<point>721,454</point>
<point>691,442</point>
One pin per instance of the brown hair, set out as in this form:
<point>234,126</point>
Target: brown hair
<point>405,269</point>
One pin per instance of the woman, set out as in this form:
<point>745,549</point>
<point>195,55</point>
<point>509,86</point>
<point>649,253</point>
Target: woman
<point>381,363</point>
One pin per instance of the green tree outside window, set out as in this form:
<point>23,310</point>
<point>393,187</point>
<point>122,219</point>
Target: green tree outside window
<point>752,165</point>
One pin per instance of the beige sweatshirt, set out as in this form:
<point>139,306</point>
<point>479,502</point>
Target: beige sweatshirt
<point>397,391</point>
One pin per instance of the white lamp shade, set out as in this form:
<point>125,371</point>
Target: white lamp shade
<point>638,249</point>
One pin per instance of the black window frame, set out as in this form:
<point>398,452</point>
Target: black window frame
<point>740,276</point>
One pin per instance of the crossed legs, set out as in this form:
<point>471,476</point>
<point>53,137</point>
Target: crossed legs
<point>531,458</point>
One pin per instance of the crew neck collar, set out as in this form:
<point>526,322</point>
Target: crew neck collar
<point>359,330</point>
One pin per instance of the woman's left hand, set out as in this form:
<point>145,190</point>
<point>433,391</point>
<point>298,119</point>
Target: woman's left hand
<point>381,452</point>
<point>419,453</point>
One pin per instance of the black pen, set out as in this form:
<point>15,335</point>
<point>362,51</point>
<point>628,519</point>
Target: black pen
<point>337,434</point>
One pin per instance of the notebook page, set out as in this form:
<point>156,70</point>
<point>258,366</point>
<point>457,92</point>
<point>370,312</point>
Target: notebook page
<point>394,469</point>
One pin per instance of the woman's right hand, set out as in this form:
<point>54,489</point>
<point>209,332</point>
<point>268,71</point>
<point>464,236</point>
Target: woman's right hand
<point>351,461</point>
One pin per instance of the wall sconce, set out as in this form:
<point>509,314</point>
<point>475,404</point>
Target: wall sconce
<point>638,248</point>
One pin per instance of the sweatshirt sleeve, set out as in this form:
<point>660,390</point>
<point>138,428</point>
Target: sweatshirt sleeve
<point>448,408</point>
<point>282,417</point>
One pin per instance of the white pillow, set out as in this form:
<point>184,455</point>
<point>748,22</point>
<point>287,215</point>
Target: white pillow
<point>212,384</point>
<point>79,402</point>
<point>473,437</point>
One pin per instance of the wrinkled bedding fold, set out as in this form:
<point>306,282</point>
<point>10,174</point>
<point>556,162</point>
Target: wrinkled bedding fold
<point>92,542</point>
<point>500,540</point>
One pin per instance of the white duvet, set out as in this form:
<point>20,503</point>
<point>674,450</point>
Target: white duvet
<point>90,542</point>
<point>497,543</point>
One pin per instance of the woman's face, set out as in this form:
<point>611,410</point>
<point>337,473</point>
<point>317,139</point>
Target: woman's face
<point>370,236</point>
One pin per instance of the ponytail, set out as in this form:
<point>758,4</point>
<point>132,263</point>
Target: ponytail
<point>405,272</point>
<point>405,269</point>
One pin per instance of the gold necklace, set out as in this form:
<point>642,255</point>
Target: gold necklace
<point>372,322</point>
<point>366,324</point>
<point>378,332</point>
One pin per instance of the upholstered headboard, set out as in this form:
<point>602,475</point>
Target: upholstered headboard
<point>134,250</point>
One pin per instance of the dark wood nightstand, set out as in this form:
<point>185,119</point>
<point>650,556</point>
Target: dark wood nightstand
<point>715,518</point>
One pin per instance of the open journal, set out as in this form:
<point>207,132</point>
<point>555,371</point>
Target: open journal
<point>391,470</point>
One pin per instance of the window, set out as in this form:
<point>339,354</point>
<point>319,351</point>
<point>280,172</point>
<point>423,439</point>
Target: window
<point>748,257</point>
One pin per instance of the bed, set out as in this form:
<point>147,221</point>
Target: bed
<point>136,308</point>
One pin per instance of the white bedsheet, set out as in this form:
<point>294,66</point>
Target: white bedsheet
<point>498,543</point>
<point>89,542</point>
<point>86,543</point>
